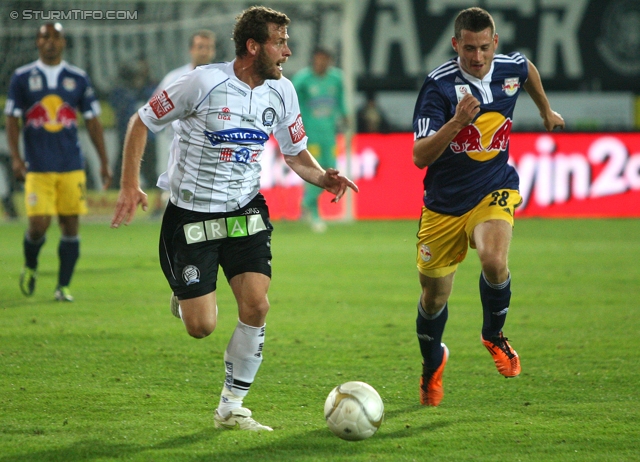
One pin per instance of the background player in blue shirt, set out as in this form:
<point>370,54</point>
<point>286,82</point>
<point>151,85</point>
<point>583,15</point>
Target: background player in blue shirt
<point>462,123</point>
<point>45,95</point>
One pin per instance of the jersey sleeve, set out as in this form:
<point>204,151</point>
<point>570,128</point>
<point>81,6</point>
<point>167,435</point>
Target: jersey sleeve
<point>14,105</point>
<point>524,67</point>
<point>89,105</point>
<point>430,111</point>
<point>290,132</point>
<point>177,101</point>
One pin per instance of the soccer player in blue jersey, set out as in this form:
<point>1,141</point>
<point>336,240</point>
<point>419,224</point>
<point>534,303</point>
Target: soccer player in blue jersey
<point>462,123</point>
<point>45,96</point>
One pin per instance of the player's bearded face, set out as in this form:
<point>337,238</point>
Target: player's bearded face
<point>273,53</point>
<point>266,67</point>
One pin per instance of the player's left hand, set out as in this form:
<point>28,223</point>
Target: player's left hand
<point>552,121</point>
<point>127,204</point>
<point>337,184</point>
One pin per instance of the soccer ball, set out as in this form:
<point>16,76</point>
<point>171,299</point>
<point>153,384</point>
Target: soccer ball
<point>353,411</point>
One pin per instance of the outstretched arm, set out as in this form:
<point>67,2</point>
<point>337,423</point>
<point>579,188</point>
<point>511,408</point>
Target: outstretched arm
<point>307,168</point>
<point>533,86</point>
<point>130,193</point>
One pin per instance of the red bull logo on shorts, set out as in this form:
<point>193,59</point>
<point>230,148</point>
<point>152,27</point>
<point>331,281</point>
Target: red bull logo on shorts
<point>485,138</point>
<point>52,114</point>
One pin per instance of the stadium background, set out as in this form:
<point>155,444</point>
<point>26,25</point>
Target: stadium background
<point>586,50</point>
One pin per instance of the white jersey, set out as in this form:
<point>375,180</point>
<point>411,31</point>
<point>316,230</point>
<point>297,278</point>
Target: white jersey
<point>164,138</point>
<point>221,130</point>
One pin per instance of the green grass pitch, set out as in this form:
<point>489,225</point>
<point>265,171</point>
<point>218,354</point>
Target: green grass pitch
<point>113,376</point>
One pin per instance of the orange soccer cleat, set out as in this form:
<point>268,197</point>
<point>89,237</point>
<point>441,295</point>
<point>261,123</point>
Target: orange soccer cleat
<point>506,359</point>
<point>431,390</point>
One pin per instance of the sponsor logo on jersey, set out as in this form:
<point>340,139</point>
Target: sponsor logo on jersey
<point>462,90</point>
<point>268,117</point>
<point>296,130</point>
<point>241,155</point>
<point>161,104</point>
<point>191,275</point>
<point>51,113</point>
<point>468,139</point>
<point>225,114</point>
<point>69,84</point>
<point>35,82</point>
<point>485,138</point>
<point>511,86</point>
<point>242,136</point>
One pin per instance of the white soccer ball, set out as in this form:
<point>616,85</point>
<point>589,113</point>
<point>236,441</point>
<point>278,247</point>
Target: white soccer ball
<point>354,411</point>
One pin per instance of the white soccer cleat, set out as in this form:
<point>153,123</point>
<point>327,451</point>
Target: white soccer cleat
<point>239,419</point>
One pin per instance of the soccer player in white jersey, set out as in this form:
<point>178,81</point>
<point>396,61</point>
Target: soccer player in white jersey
<point>216,215</point>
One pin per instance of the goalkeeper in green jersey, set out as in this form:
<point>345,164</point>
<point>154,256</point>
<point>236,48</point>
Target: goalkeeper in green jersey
<point>321,95</point>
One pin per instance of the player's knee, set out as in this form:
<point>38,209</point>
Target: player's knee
<point>494,268</point>
<point>254,314</point>
<point>201,328</point>
<point>431,304</point>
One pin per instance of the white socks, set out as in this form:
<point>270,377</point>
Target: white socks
<point>242,360</point>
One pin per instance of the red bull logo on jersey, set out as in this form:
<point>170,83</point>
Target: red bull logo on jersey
<point>511,86</point>
<point>52,114</point>
<point>485,138</point>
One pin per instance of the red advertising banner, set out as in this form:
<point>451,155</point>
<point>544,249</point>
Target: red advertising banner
<point>561,175</point>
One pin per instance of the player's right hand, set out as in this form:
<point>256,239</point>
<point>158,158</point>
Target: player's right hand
<point>19,169</point>
<point>127,204</point>
<point>467,109</point>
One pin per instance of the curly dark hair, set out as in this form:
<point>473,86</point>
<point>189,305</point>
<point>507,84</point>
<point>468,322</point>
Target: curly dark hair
<point>474,20</point>
<point>253,23</point>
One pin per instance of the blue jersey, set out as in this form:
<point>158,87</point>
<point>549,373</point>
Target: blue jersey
<point>47,98</point>
<point>475,162</point>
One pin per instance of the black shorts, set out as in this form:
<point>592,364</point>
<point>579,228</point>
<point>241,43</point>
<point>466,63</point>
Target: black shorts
<point>193,244</point>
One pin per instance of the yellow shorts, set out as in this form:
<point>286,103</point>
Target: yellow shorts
<point>443,240</point>
<point>52,193</point>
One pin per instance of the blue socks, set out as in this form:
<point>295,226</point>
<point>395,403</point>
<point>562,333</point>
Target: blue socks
<point>32,250</point>
<point>68,253</point>
<point>495,305</point>
<point>430,329</point>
